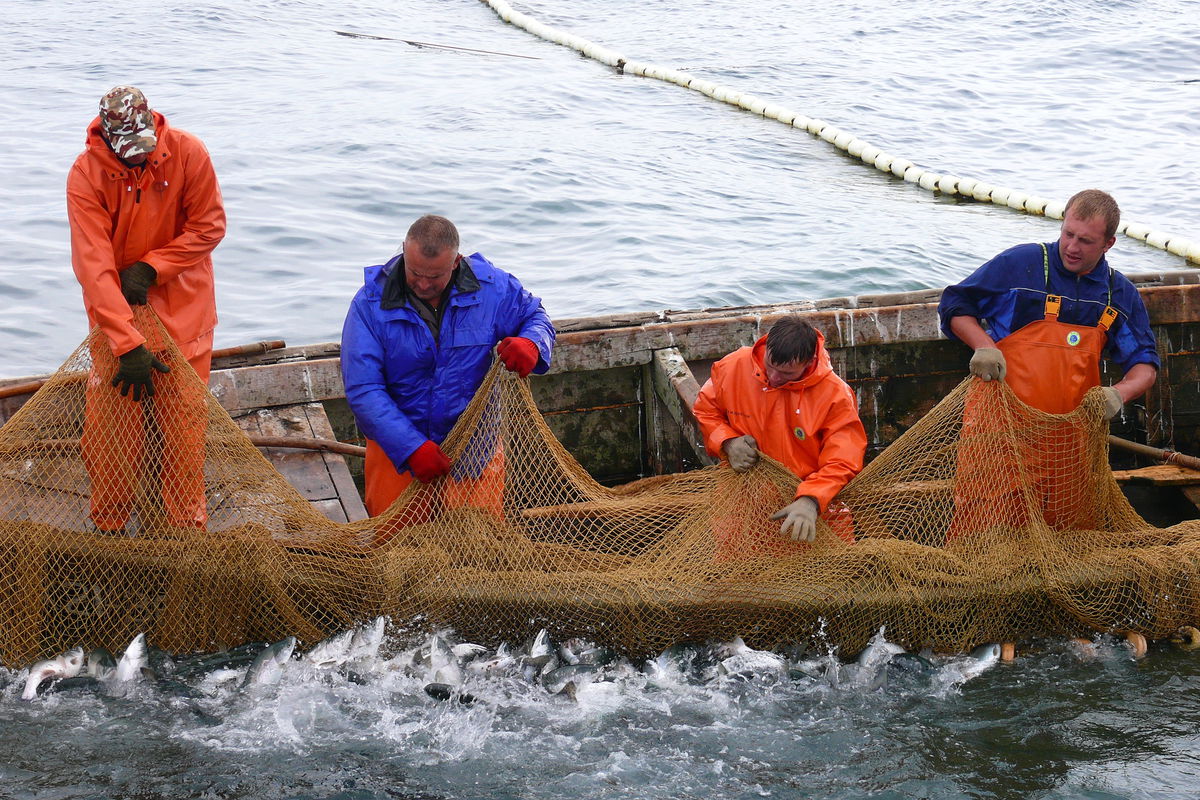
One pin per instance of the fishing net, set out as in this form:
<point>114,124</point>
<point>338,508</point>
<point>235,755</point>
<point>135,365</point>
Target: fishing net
<point>987,521</point>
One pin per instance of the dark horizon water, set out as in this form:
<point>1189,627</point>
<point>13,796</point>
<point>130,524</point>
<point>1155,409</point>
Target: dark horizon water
<point>606,193</point>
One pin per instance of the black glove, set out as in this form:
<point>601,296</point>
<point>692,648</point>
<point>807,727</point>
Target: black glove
<point>135,280</point>
<point>134,373</point>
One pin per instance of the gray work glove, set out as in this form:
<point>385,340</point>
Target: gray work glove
<point>988,364</point>
<point>799,519</point>
<point>742,452</point>
<point>1112,402</point>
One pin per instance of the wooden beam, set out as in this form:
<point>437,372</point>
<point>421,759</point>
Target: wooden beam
<point>675,389</point>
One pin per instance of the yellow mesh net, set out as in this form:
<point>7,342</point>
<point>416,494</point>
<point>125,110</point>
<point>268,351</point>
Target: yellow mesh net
<point>987,521</point>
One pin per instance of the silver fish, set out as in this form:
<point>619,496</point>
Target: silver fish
<point>443,666</point>
<point>66,665</point>
<point>746,661</point>
<point>364,644</point>
<point>129,668</point>
<point>540,651</point>
<point>331,652</point>
<point>100,663</point>
<point>267,666</point>
<point>502,661</point>
<point>556,680</point>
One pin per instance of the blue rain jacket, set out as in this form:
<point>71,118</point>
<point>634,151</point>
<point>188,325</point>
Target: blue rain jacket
<point>404,387</point>
<point>1009,292</point>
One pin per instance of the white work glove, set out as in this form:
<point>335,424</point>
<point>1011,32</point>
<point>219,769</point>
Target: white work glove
<point>988,364</point>
<point>1112,402</point>
<point>742,452</point>
<point>799,519</point>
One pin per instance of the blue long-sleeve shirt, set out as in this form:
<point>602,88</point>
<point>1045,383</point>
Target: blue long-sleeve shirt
<point>1009,292</point>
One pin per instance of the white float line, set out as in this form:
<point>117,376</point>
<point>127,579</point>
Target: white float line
<point>843,140</point>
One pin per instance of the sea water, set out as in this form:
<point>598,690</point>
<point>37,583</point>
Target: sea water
<point>606,192</point>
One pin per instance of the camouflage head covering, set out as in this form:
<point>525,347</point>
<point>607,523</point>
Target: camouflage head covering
<point>126,122</point>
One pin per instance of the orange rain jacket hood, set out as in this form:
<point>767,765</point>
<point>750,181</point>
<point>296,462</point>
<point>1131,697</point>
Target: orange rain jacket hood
<point>810,425</point>
<point>170,216</point>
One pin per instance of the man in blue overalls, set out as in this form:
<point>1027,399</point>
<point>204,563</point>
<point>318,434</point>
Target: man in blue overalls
<point>1051,312</point>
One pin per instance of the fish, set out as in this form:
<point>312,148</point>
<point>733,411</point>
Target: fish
<point>878,652</point>
<point>540,650</point>
<point>333,651</point>
<point>466,650</point>
<point>961,670</point>
<point>100,663</point>
<point>744,661</point>
<point>267,666</point>
<point>502,661</point>
<point>556,680</point>
<point>365,642</point>
<point>442,663</point>
<point>986,653</point>
<point>79,683</point>
<point>231,659</point>
<point>444,691</point>
<point>65,665</point>
<point>132,660</point>
<point>910,663</point>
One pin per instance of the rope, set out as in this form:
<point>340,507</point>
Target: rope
<point>844,140</point>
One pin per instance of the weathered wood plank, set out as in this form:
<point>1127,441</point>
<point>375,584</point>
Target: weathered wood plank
<point>349,500</point>
<point>1159,475</point>
<point>321,478</point>
<point>675,390</point>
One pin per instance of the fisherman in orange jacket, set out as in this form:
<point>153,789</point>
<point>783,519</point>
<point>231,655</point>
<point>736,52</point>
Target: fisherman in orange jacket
<point>782,397</point>
<point>145,213</point>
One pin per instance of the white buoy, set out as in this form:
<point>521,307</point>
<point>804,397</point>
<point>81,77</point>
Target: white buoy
<point>815,126</point>
<point>1179,246</point>
<point>1137,230</point>
<point>1016,200</point>
<point>883,161</point>
<point>983,191</point>
<point>1157,239</point>
<point>868,154</point>
<point>855,147</point>
<point>948,184</point>
<point>929,180</point>
<point>776,111</point>
<point>1193,253</point>
<point>829,133</point>
<point>1055,209</point>
<point>999,195</point>
<point>1035,204</point>
<point>966,186</point>
<point>899,166</point>
<point>913,174</point>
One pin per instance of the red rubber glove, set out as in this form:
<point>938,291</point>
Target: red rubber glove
<point>428,462</point>
<point>518,354</point>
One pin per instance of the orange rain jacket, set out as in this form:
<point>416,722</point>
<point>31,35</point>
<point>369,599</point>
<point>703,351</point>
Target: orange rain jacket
<point>811,425</point>
<point>170,216</point>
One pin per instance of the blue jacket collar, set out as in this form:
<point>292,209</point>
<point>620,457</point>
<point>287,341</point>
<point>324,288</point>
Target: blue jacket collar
<point>1099,274</point>
<point>395,288</point>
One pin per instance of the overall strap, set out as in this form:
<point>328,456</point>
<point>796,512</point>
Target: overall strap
<point>1053,301</point>
<point>1109,315</point>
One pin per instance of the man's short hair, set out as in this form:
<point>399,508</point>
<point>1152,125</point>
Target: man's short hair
<point>433,234</point>
<point>1092,203</point>
<point>791,340</point>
